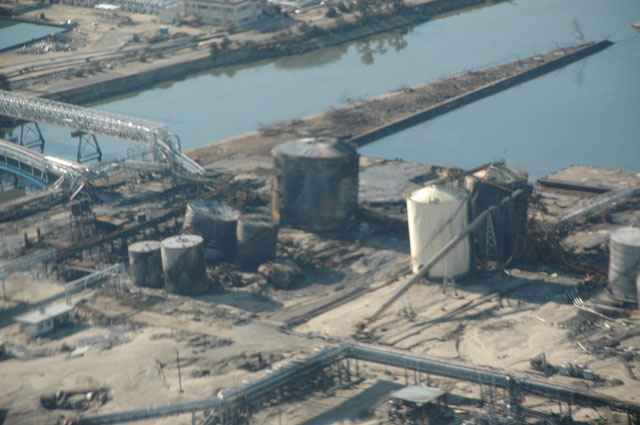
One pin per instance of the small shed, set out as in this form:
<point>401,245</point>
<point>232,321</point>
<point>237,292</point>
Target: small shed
<point>418,394</point>
<point>418,404</point>
<point>45,319</point>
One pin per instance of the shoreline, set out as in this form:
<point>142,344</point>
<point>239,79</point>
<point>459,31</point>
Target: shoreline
<point>104,85</point>
<point>371,119</point>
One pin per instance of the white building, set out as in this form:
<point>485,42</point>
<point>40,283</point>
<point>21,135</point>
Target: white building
<point>171,14</point>
<point>45,319</point>
<point>225,13</point>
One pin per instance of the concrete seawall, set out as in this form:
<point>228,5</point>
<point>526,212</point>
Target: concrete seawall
<point>481,92</point>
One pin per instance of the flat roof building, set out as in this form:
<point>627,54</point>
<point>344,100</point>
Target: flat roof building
<point>45,319</point>
<point>225,13</point>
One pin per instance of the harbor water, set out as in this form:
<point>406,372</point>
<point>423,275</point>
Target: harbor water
<point>584,113</point>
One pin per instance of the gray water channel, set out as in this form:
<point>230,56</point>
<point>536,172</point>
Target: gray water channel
<point>14,33</point>
<point>585,113</point>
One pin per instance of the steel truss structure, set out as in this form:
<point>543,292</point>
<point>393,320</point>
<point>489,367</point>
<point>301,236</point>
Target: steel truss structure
<point>87,120</point>
<point>91,121</point>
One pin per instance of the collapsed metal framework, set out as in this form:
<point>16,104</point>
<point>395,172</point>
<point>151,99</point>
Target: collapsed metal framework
<point>91,121</point>
<point>252,394</point>
<point>35,167</point>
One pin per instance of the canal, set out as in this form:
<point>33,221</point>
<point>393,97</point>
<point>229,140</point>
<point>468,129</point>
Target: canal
<point>15,33</point>
<point>584,113</point>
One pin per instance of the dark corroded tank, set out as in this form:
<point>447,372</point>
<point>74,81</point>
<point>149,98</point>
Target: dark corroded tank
<point>145,264</point>
<point>257,235</point>
<point>316,185</point>
<point>183,264</point>
<point>216,223</point>
<point>508,225</point>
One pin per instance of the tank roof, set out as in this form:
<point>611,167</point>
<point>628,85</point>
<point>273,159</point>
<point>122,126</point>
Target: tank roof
<point>438,194</point>
<point>215,209</point>
<point>629,236</point>
<point>315,147</point>
<point>258,219</point>
<point>145,246</point>
<point>182,241</point>
<point>500,173</point>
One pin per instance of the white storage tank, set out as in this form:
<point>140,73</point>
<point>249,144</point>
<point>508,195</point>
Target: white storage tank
<point>145,264</point>
<point>183,264</point>
<point>436,214</point>
<point>316,185</point>
<point>624,263</point>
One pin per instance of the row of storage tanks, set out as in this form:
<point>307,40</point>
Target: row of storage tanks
<point>316,189</point>
<point>217,232</point>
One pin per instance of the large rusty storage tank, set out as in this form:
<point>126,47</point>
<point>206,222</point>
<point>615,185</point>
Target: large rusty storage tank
<point>145,264</point>
<point>316,186</point>
<point>257,235</point>
<point>216,223</point>
<point>437,214</point>
<point>509,223</point>
<point>624,263</point>
<point>183,264</point>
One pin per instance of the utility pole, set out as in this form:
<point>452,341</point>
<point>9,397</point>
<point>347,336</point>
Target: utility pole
<point>179,375</point>
<point>3,276</point>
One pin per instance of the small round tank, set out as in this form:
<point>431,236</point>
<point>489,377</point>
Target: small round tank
<point>316,185</point>
<point>436,214</point>
<point>183,264</point>
<point>488,187</point>
<point>257,235</point>
<point>145,264</point>
<point>624,262</point>
<point>216,223</point>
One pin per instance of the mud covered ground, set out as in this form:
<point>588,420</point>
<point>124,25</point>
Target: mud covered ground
<point>129,340</point>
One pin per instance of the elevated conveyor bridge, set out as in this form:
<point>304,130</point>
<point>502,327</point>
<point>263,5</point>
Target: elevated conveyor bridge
<point>32,166</point>
<point>86,121</point>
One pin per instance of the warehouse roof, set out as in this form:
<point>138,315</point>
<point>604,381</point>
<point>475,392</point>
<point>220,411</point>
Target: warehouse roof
<point>45,313</point>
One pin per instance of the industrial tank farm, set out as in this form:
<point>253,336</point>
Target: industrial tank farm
<point>196,323</point>
<point>282,277</point>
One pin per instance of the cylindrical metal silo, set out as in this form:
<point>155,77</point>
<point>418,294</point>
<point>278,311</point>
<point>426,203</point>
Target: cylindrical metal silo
<point>183,264</point>
<point>638,289</point>
<point>316,185</point>
<point>509,223</point>
<point>436,214</point>
<point>145,264</point>
<point>624,262</point>
<point>216,223</point>
<point>257,235</point>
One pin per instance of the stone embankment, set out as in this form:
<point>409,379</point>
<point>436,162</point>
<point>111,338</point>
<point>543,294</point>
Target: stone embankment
<point>365,121</point>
